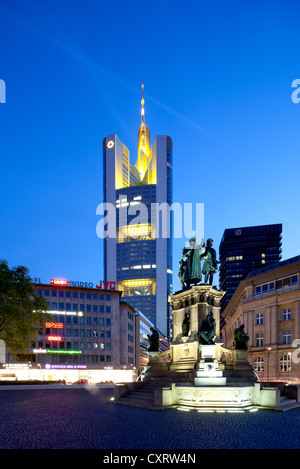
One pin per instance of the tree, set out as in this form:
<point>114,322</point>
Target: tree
<point>22,312</point>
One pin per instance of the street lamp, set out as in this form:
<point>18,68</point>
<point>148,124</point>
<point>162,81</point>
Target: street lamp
<point>268,350</point>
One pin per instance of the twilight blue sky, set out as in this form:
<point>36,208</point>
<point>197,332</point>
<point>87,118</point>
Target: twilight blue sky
<point>217,80</point>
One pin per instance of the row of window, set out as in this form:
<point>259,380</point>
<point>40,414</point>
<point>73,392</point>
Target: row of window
<point>286,338</point>
<point>78,307</point>
<point>76,345</point>
<point>79,333</point>
<point>282,283</point>
<point>284,363</point>
<point>82,359</point>
<point>286,316</point>
<point>95,321</point>
<point>74,294</point>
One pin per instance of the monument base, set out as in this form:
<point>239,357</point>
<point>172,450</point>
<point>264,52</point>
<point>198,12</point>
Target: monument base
<point>209,373</point>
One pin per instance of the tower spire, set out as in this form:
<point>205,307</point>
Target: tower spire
<point>142,103</point>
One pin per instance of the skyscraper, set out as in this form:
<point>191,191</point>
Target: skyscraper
<point>243,250</point>
<point>139,258</point>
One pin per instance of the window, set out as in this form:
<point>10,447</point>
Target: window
<point>68,306</point>
<point>95,321</point>
<point>82,308</point>
<point>54,306</point>
<point>88,308</point>
<point>287,314</point>
<point>285,363</point>
<point>108,334</point>
<point>75,332</point>
<point>95,333</point>
<point>259,364</point>
<point>61,306</point>
<point>75,294</point>
<point>54,293</point>
<point>75,307</point>
<point>108,322</point>
<point>88,296</point>
<point>95,308</point>
<point>95,296</point>
<point>108,309</point>
<point>107,297</point>
<point>108,346</point>
<point>259,318</point>
<point>286,337</point>
<point>101,309</point>
<point>259,340</point>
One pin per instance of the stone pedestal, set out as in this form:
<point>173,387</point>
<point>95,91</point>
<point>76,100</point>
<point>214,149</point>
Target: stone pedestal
<point>198,301</point>
<point>209,373</point>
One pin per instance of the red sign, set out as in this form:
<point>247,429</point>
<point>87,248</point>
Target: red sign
<point>106,285</point>
<point>54,338</point>
<point>56,281</point>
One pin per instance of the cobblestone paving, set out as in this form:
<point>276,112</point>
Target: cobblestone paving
<point>86,419</point>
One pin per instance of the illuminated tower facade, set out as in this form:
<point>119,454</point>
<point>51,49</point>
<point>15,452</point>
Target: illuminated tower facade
<point>139,258</point>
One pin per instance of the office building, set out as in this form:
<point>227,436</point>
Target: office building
<point>243,250</point>
<point>139,257</point>
<point>267,302</point>
<point>92,335</point>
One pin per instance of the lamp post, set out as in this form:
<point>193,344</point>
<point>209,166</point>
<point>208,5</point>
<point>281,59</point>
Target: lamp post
<point>268,350</point>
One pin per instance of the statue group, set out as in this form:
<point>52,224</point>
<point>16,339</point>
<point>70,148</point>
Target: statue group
<point>190,271</point>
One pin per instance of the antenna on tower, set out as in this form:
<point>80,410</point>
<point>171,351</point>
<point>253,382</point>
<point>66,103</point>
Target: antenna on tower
<point>142,102</point>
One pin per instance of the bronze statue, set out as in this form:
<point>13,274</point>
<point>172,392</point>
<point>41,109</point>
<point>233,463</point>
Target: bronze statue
<point>210,266</point>
<point>186,325</point>
<point>190,264</point>
<point>153,341</point>
<point>207,330</point>
<point>241,339</point>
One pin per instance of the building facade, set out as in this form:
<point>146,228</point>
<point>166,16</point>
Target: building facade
<point>92,335</point>
<point>268,304</point>
<point>243,250</point>
<point>138,255</point>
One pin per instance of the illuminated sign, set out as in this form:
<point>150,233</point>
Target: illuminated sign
<point>54,325</point>
<point>55,281</point>
<point>72,352</point>
<point>110,144</point>
<point>66,367</point>
<point>106,285</point>
<point>70,283</point>
<point>54,338</point>
<point>103,285</point>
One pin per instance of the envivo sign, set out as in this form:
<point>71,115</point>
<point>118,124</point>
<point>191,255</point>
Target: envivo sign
<point>103,285</point>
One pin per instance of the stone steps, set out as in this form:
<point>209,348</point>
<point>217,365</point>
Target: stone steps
<point>143,397</point>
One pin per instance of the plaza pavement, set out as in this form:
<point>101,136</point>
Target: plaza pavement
<point>85,417</point>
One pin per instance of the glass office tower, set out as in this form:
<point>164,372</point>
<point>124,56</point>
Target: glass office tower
<point>139,258</point>
<point>244,250</point>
